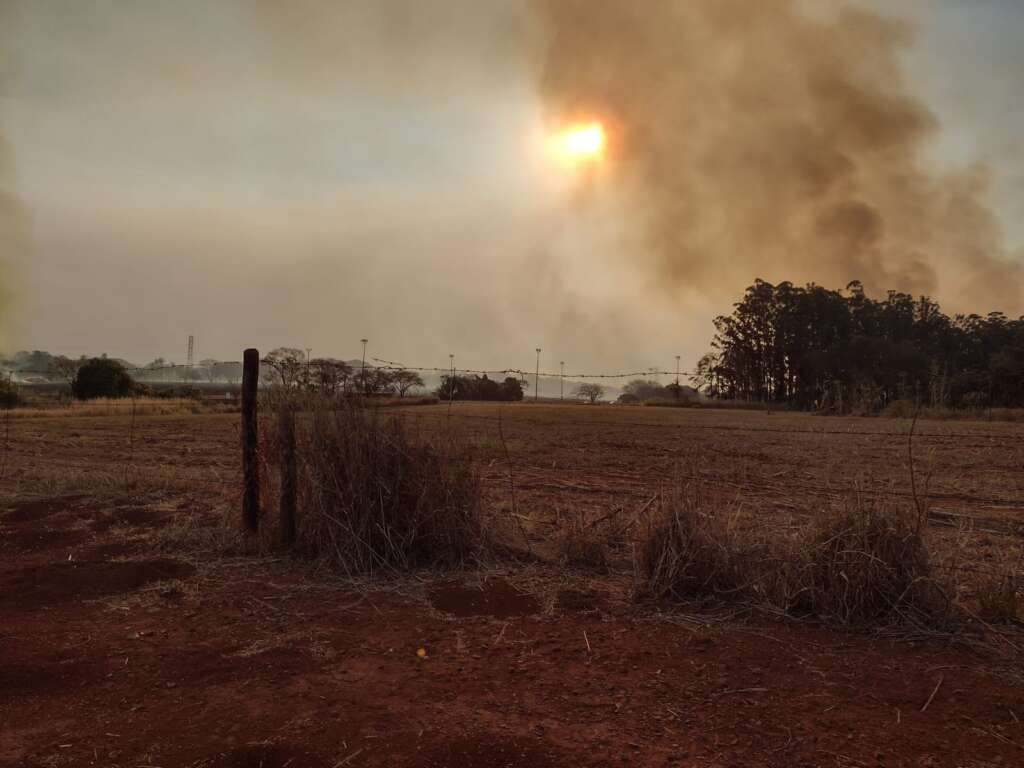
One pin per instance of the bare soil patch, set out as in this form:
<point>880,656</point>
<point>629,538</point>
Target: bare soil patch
<point>489,751</point>
<point>40,539</point>
<point>55,583</point>
<point>39,509</point>
<point>494,597</point>
<point>263,756</point>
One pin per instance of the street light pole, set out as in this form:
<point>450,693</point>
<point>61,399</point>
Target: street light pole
<point>561,380</point>
<point>363,373</point>
<point>536,378</point>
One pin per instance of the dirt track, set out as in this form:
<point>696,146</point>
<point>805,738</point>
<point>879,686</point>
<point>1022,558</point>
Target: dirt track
<point>117,649</point>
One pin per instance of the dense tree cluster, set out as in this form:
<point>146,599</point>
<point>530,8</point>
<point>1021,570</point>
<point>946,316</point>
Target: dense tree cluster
<point>647,391</point>
<point>816,348</point>
<point>102,377</point>
<point>480,388</point>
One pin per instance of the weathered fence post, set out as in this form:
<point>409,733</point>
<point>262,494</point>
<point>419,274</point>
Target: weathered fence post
<point>250,435</point>
<point>289,472</point>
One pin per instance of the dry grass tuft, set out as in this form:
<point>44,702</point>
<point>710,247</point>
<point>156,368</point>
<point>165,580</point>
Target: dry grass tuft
<point>375,498</point>
<point>868,563</point>
<point>693,548</point>
<point>997,599</point>
<point>585,545</point>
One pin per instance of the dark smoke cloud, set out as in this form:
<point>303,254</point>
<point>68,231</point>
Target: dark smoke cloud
<point>755,139</point>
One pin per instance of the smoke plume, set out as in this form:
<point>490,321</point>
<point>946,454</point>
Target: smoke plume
<point>259,173</point>
<point>761,139</point>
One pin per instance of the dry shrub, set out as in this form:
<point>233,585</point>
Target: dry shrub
<point>585,545</point>
<point>997,598</point>
<point>693,548</point>
<point>373,497</point>
<point>868,563</point>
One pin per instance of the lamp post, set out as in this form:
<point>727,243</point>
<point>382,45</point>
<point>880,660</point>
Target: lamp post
<point>561,380</point>
<point>536,378</point>
<point>363,373</point>
<point>677,377</point>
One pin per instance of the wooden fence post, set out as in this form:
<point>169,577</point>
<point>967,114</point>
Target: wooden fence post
<point>289,472</point>
<point>250,436</point>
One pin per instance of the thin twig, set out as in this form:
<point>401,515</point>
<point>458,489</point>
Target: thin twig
<point>937,686</point>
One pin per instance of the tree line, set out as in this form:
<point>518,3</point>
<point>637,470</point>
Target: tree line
<point>289,367</point>
<point>814,348</point>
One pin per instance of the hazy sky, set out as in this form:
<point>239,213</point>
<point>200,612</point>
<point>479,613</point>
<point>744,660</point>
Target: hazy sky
<point>310,173</point>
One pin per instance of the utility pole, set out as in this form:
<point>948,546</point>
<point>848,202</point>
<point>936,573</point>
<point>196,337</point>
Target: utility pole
<point>561,380</point>
<point>677,377</point>
<point>363,373</point>
<point>451,378</point>
<point>536,378</point>
<point>308,350</point>
<point>191,357</point>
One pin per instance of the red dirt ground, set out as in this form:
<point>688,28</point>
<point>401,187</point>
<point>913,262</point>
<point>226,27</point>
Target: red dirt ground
<point>119,648</point>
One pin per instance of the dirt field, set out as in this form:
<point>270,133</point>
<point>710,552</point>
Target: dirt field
<point>130,637</point>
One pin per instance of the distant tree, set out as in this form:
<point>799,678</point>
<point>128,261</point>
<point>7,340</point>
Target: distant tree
<point>512,389</point>
<point>643,390</point>
<point>402,381</point>
<point>811,347</point>
<point>209,367</point>
<point>627,398</point>
<point>329,375</point>
<point>479,388</point>
<point>374,381</point>
<point>288,365</point>
<point>591,392</point>
<point>64,368</point>
<point>36,361</point>
<point>9,397</point>
<point>102,377</point>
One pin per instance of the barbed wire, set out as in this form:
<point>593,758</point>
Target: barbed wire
<point>393,365</point>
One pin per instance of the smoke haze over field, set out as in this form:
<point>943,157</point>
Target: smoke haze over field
<point>311,176</point>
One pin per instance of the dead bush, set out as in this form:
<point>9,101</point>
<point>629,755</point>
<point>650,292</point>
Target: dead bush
<point>693,548</point>
<point>867,562</point>
<point>373,497</point>
<point>583,544</point>
<point>997,598</point>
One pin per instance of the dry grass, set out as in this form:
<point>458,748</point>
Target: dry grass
<point>868,562</point>
<point>581,544</point>
<point>693,548</point>
<point>997,598</point>
<point>142,406</point>
<point>906,409</point>
<point>864,564</point>
<point>375,498</point>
